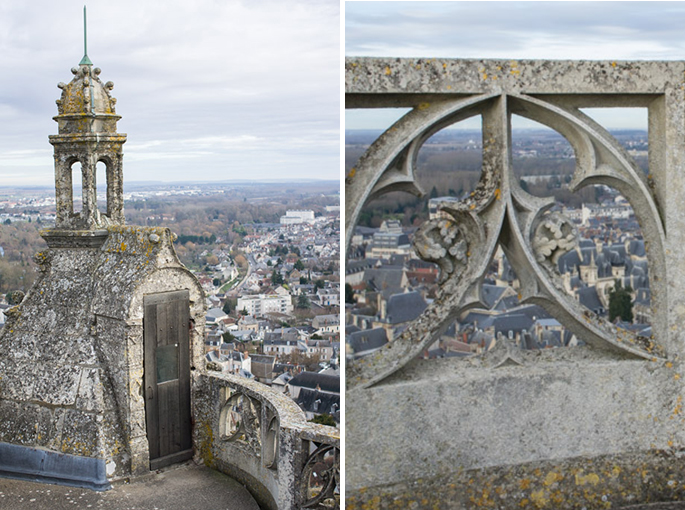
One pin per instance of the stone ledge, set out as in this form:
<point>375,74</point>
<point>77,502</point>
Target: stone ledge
<point>74,238</point>
<point>565,484</point>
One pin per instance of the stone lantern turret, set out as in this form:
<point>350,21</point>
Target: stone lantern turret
<point>88,135</point>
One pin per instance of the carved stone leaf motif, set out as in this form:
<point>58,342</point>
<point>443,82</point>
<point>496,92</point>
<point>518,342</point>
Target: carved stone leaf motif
<point>554,236</point>
<point>500,213</point>
<point>442,242</point>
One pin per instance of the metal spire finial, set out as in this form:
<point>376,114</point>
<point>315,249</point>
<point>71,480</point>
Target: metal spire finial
<point>85,61</point>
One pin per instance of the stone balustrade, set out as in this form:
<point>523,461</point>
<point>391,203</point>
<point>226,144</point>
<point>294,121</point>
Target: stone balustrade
<point>581,427</point>
<point>262,439</point>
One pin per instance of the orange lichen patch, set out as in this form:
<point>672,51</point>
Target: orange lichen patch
<point>498,194</point>
<point>524,484</point>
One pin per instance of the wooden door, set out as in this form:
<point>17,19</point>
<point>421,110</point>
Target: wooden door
<point>167,377</point>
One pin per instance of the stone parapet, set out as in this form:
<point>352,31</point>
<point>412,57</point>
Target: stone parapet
<point>565,428</point>
<point>261,438</point>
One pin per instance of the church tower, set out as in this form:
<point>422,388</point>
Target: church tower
<point>87,123</point>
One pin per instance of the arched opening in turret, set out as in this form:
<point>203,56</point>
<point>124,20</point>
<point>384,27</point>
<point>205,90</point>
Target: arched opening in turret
<point>76,187</point>
<point>101,186</point>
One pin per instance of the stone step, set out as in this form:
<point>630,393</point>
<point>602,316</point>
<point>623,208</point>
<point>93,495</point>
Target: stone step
<point>180,487</point>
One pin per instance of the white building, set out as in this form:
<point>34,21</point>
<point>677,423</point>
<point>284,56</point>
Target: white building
<point>295,217</point>
<point>262,304</point>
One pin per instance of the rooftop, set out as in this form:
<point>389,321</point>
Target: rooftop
<point>179,487</point>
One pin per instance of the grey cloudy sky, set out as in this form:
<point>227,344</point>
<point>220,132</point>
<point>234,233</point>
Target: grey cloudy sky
<point>208,89</point>
<point>517,30</point>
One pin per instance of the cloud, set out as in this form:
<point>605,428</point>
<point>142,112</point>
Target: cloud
<point>221,73</point>
<point>576,30</point>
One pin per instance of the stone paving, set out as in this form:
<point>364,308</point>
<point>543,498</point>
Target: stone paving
<point>181,487</point>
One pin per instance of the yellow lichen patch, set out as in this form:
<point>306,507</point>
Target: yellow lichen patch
<point>388,72</point>
<point>552,477</point>
<point>485,76</point>
<point>423,106</point>
<point>669,364</point>
<point>498,194</point>
<point>613,64</point>
<point>444,66</point>
<point>524,484</point>
<point>524,503</point>
<point>590,478</point>
<point>539,498</point>
<point>373,504</point>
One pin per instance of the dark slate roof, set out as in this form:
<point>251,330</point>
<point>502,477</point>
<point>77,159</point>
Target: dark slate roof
<point>366,340</point>
<point>507,303</point>
<point>515,323</point>
<point>317,402</point>
<point>354,266</point>
<point>491,293</point>
<point>351,328</point>
<point>568,261</point>
<point>588,298</point>
<point>474,317</point>
<point>311,380</point>
<point>384,278</point>
<point>636,247</point>
<point>398,259</point>
<point>404,307</point>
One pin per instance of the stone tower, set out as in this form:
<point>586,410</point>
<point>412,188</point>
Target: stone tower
<point>98,360</point>
<point>88,135</point>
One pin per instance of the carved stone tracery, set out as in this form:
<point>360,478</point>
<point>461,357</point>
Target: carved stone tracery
<point>500,213</point>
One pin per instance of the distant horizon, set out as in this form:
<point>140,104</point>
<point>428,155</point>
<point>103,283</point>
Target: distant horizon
<point>302,180</point>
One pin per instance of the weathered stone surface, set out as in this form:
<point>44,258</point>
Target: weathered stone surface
<point>522,429</point>
<point>80,434</point>
<point>76,343</point>
<point>59,386</point>
<point>276,486</point>
<point>27,424</point>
